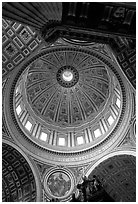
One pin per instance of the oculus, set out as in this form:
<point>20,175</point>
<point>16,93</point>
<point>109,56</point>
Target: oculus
<point>67,76</point>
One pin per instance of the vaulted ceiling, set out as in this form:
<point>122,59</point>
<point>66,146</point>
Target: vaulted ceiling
<point>69,79</point>
<point>119,177</point>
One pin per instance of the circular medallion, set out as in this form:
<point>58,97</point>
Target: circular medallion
<point>59,183</point>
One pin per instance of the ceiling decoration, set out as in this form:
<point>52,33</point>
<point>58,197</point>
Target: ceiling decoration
<point>67,97</point>
<point>59,84</point>
<point>54,20</point>
<point>102,48</point>
<point>59,183</point>
<point>119,177</point>
<point>45,86</point>
<point>18,182</point>
<point>18,43</point>
<point>126,57</point>
<point>66,100</point>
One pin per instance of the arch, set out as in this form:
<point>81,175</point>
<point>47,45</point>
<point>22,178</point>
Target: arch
<point>33,168</point>
<point>117,173</point>
<point>116,153</point>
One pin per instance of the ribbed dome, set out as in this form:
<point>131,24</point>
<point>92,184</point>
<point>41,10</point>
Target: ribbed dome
<point>67,87</point>
<point>67,99</point>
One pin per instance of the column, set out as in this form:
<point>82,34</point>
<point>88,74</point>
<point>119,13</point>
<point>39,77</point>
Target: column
<point>86,136</point>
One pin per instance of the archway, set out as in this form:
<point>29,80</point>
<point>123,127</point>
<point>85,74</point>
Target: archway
<point>19,181</point>
<point>118,175</point>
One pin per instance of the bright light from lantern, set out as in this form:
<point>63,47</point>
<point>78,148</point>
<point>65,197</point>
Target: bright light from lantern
<point>67,76</point>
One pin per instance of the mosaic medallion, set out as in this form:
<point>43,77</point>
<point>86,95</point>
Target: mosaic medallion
<point>59,184</point>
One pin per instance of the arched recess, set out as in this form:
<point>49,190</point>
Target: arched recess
<point>21,181</point>
<point>117,172</point>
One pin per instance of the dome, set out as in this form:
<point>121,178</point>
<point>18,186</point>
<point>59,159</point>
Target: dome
<point>67,88</point>
<point>67,99</point>
<point>68,102</point>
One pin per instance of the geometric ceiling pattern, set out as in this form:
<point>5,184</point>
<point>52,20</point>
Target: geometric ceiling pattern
<point>118,175</point>
<point>18,43</point>
<point>127,61</point>
<point>18,182</point>
<point>126,57</point>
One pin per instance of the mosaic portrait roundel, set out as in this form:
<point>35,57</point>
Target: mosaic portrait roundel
<point>59,184</point>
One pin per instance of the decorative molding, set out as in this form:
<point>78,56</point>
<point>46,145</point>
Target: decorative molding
<point>79,172</point>
<point>18,43</point>
<point>128,141</point>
